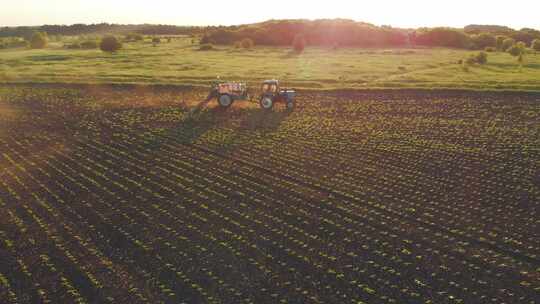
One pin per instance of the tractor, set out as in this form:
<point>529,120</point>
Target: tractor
<point>272,93</point>
<point>228,92</point>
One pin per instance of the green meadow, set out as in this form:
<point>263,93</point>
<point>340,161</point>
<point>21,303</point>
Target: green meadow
<point>180,62</point>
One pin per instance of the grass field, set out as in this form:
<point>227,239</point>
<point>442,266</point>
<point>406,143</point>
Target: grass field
<point>180,62</point>
<point>118,195</point>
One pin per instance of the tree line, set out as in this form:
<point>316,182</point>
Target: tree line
<point>101,28</point>
<point>341,32</point>
<point>324,32</point>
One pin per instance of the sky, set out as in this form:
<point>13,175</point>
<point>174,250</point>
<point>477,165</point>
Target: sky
<point>404,13</point>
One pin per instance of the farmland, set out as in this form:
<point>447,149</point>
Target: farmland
<point>180,62</point>
<point>132,194</point>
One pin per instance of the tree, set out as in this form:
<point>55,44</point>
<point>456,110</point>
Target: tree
<point>484,40</point>
<point>535,45</point>
<point>299,43</point>
<point>110,44</point>
<point>508,43</point>
<point>446,37</point>
<point>38,40</point>
<point>517,50</point>
<point>500,41</point>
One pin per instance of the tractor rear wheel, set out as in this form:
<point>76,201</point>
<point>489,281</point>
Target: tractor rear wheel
<point>225,100</point>
<point>267,103</point>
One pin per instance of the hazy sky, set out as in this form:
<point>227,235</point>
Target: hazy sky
<point>404,13</point>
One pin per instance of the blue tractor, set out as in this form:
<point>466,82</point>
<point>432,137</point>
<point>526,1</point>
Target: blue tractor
<point>271,93</point>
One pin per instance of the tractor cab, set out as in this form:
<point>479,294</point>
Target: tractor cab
<point>270,87</point>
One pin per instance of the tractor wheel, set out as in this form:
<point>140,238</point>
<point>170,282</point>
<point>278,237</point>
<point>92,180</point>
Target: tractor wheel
<point>290,104</point>
<point>267,103</point>
<point>225,100</point>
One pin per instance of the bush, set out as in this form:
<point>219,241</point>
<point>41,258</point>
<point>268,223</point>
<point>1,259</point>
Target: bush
<point>508,43</point>
<point>134,37</point>
<point>490,49</point>
<point>470,60</point>
<point>89,44</point>
<point>206,40</point>
<point>156,40</point>
<point>481,58</point>
<point>206,47</point>
<point>535,45</point>
<point>38,40</point>
<point>6,43</point>
<point>73,46</point>
<point>247,43</point>
<point>237,44</point>
<point>517,50</point>
<point>299,43</point>
<point>110,44</point>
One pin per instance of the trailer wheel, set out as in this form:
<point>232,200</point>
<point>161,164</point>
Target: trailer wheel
<point>225,100</point>
<point>266,103</point>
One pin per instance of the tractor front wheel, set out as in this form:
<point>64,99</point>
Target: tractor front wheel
<point>290,104</point>
<point>225,100</point>
<point>267,103</point>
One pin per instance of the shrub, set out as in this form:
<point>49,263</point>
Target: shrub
<point>38,40</point>
<point>73,46</point>
<point>206,40</point>
<point>470,60</point>
<point>156,40</point>
<point>110,44</point>
<point>134,37</point>
<point>490,49</point>
<point>481,58</point>
<point>299,43</point>
<point>508,43</point>
<point>237,44</point>
<point>13,42</point>
<point>247,43</point>
<point>206,47</point>
<point>89,44</point>
<point>535,45</point>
